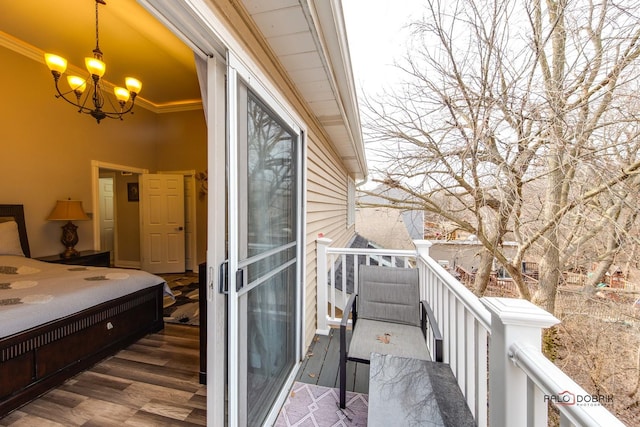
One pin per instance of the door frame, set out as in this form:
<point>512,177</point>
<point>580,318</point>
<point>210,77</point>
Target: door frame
<point>96,165</point>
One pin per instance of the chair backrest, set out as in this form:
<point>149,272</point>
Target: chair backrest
<point>389,294</point>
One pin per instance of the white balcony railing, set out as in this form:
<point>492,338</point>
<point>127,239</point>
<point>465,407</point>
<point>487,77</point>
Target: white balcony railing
<point>521,380</point>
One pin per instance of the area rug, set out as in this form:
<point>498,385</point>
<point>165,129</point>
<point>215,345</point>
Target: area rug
<point>312,405</point>
<point>184,306</point>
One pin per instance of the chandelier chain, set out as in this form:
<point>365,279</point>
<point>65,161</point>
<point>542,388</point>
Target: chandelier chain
<point>97,52</point>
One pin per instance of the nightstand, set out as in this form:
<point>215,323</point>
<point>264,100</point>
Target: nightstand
<point>92,258</point>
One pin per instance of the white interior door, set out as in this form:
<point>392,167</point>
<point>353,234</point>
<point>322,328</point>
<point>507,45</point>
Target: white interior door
<point>190,219</point>
<point>162,223</point>
<point>107,215</point>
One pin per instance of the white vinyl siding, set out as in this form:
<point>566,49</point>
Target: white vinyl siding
<point>327,202</point>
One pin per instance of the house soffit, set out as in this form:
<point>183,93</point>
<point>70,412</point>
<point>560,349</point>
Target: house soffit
<point>308,39</point>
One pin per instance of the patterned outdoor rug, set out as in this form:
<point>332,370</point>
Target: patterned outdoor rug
<point>185,308</point>
<point>312,405</point>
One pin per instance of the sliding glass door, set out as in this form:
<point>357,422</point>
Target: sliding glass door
<point>263,245</point>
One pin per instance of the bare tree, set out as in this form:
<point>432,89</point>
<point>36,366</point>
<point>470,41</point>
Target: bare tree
<point>505,109</point>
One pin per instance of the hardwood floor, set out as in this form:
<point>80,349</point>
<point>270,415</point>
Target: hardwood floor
<point>153,382</point>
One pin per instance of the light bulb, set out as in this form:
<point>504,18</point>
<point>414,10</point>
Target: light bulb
<point>77,84</point>
<point>55,63</point>
<point>121,93</point>
<point>134,85</point>
<point>95,66</point>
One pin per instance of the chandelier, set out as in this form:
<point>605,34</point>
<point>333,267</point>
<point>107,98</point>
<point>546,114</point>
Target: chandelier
<point>93,100</point>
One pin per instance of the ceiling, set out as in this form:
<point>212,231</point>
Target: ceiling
<point>134,44</point>
<point>307,36</point>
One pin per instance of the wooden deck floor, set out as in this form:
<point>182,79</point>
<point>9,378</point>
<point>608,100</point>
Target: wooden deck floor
<point>322,364</point>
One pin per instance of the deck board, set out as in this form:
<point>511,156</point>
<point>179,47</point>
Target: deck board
<point>322,362</point>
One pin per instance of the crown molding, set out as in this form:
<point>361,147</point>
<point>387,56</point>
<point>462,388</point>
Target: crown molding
<point>29,51</point>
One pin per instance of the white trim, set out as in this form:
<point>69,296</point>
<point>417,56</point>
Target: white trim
<point>351,202</point>
<point>331,37</point>
<point>302,249</point>
<point>193,22</point>
<point>216,245</point>
<point>233,303</point>
<point>96,165</point>
<point>277,406</point>
<point>261,86</point>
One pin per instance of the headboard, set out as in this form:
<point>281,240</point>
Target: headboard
<point>17,213</point>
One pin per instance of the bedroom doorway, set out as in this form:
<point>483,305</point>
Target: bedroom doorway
<point>126,219</point>
<point>127,213</point>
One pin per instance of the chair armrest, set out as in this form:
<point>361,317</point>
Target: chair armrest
<point>428,319</point>
<point>347,310</point>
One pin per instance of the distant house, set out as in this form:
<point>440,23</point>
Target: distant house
<point>387,226</point>
<point>464,253</point>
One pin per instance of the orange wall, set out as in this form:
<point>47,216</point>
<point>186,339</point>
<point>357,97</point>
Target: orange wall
<point>47,148</point>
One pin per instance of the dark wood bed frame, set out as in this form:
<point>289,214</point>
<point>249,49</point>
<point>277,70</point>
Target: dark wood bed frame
<point>34,361</point>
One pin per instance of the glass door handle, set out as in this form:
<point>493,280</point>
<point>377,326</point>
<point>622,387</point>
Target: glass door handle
<point>223,278</point>
<point>239,279</point>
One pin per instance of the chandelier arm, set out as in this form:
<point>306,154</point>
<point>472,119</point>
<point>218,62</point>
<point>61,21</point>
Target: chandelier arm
<point>121,105</point>
<point>81,107</point>
<point>118,115</point>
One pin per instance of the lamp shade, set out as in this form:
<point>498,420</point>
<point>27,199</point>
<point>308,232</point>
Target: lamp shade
<point>133,85</point>
<point>95,66</point>
<point>77,84</point>
<point>121,94</point>
<point>55,63</point>
<point>68,210</point>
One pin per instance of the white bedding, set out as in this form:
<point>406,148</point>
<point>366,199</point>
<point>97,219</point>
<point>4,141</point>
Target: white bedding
<point>34,292</point>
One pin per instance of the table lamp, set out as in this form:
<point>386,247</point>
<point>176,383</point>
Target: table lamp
<point>68,210</point>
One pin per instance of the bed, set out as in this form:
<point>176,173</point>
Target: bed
<point>57,320</point>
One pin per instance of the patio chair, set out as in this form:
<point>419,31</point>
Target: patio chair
<point>387,318</point>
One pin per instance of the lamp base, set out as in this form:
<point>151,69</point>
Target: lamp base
<point>69,253</point>
<point>69,239</point>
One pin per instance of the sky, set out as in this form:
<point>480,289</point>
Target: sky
<point>377,34</point>
<point>376,38</point>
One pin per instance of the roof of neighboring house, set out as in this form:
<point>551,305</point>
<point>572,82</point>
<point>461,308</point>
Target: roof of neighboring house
<point>358,242</point>
<point>381,222</point>
<point>385,226</point>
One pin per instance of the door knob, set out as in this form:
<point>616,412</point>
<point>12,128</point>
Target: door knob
<point>180,228</point>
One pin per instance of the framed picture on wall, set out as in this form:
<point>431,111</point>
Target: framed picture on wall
<point>133,192</point>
